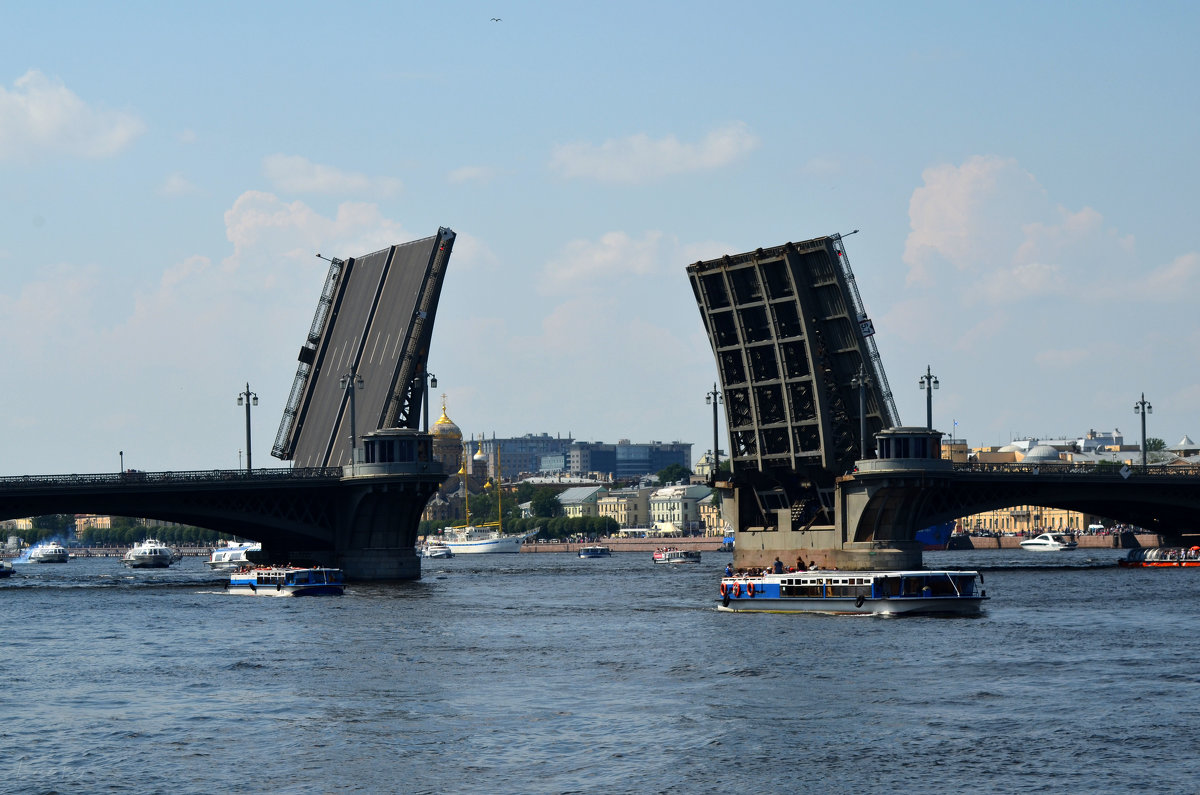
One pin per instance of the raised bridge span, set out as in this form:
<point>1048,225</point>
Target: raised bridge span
<point>359,386</point>
<point>803,388</point>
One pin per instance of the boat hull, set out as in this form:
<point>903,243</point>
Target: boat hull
<point>917,606</point>
<point>147,563</point>
<point>896,593</point>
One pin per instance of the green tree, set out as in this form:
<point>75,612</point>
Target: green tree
<point>673,472</point>
<point>1154,444</point>
<point>545,503</point>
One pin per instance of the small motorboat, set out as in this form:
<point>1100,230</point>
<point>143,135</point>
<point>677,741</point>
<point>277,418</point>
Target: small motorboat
<point>52,552</point>
<point>149,554</point>
<point>436,549</point>
<point>1049,542</point>
<point>673,555</point>
<point>287,581</point>
<point>595,552</point>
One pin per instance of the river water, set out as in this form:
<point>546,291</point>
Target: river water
<point>551,674</point>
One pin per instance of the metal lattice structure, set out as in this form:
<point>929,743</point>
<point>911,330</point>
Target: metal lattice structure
<point>374,320</point>
<point>789,334</point>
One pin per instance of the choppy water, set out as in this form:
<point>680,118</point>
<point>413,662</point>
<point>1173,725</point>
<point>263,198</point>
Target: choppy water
<point>547,673</point>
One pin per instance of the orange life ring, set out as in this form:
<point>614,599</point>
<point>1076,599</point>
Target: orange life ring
<point>724,589</point>
<point>735,590</point>
<point>750,588</point>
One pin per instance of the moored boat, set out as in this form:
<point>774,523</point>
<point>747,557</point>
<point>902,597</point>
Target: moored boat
<point>674,555</point>
<point>472,540</point>
<point>232,555</point>
<point>595,552</point>
<point>286,581</point>
<point>52,552</point>
<point>935,537</point>
<point>1161,558</point>
<point>915,592</point>
<point>149,554</point>
<point>1050,542</point>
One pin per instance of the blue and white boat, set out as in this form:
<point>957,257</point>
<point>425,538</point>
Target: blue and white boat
<point>287,581</point>
<point>595,552</point>
<point>232,555</point>
<point>915,592</point>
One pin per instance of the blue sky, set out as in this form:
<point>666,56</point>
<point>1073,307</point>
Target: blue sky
<point>1024,176</point>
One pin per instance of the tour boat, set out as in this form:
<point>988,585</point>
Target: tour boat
<point>435,549</point>
<point>286,581</point>
<point>1049,542</point>
<point>232,555</point>
<point>595,552</point>
<point>1161,558</point>
<point>916,592</point>
<point>672,555</point>
<point>149,554</point>
<point>52,552</point>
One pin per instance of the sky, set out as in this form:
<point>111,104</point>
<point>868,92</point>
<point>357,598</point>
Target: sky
<point>1024,177</point>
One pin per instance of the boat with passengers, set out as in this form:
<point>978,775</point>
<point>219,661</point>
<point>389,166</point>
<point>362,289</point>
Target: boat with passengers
<point>1161,558</point>
<point>51,552</point>
<point>675,555</point>
<point>233,555</point>
<point>595,551</point>
<point>149,554</point>
<point>917,592</point>
<point>287,581</point>
<point>1050,542</point>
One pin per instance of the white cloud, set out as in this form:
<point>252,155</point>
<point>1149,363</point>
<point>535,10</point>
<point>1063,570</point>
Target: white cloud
<point>176,184</point>
<point>41,116</point>
<point>296,174</point>
<point>639,158</point>
<point>614,255</point>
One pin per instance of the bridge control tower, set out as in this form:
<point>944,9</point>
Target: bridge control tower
<point>794,346</point>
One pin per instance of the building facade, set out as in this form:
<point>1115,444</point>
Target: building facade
<point>627,507</point>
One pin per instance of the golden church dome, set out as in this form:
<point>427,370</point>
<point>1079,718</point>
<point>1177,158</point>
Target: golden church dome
<point>445,428</point>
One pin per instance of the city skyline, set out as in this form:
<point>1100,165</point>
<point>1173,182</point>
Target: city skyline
<point>1020,177</point>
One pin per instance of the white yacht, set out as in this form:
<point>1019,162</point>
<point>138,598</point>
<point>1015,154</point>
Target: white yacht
<point>483,540</point>
<point>435,549</point>
<point>1049,542</point>
<point>52,552</point>
<point>149,554</point>
<point>232,555</point>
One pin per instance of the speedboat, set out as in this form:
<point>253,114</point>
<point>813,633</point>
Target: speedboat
<point>1161,558</point>
<point>595,552</point>
<point>856,593</point>
<point>1049,542</point>
<point>232,555</point>
<point>53,552</point>
<point>435,549</point>
<point>149,554</point>
<point>673,555</point>
<point>286,581</point>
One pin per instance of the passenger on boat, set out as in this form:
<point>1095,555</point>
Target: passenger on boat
<point>800,565</point>
<point>728,569</point>
<point>778,565</point>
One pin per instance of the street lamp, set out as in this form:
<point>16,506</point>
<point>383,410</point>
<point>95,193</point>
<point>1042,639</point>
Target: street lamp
<point>430,381</point>
<point>352,381</point>
<point>929,383</point>
<point>249,398</point>
<point>714,398</point>
<point>862,381</point>
<point>1143,407</point>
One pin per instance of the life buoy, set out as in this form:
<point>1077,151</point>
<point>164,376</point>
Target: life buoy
<point>750,589</point>
<point>724,589</point>
<point>735,590</point>
<point>859,601</point>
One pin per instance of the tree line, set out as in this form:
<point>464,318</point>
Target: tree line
<point>124,532</point>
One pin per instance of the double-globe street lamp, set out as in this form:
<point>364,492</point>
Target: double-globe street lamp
<point>714,398</point>
<point>929,383</point>
<point>249,398</point>
<point>861,381</point>
<point>352,381</point>
<point>1143,407</point>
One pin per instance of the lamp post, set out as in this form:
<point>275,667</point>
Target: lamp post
<point>714,398</point>
<point>1143,407</point>
<point>929,383</point>
<point>122,454</point>
<point>430,381</point>
<point>249,398</point>
<point>352,381</point>
<point>862,381</point>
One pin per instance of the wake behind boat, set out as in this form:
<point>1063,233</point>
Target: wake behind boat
<point>286,581</point>
<point>856,593</point>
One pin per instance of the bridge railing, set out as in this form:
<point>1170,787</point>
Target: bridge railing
<point>280,475</point>
<point>1075,468</point>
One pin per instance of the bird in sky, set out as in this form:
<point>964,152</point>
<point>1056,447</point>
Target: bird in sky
<point>497,19</point>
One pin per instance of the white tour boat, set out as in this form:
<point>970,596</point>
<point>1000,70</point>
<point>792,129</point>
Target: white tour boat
<point>52,552</point>
<point>1050,542</point>
<point>856,593</point>
<point>435,549</point>
<point>673,555</point>
<point>232,555</point>
<point>595,552</point>
<point>286,581</point>
<point>149,554</point>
